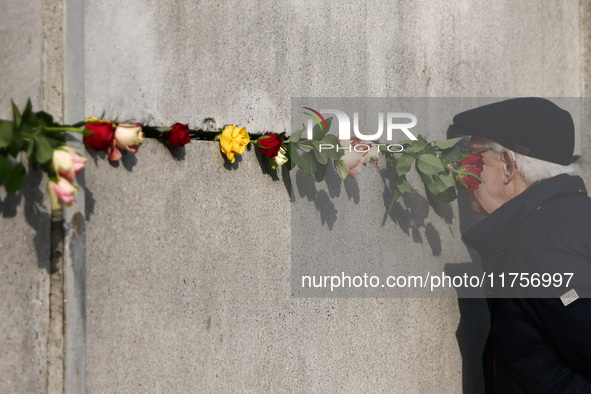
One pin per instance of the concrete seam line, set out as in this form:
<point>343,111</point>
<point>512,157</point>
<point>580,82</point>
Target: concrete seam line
<point>55,336</point>
<point>74,220</point>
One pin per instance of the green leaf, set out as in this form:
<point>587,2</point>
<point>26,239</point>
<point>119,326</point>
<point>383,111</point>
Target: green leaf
<point>441,184</point>
<point>391,160</point>
<point>56,143</point>
<point>447,195</point>
<point>30,147</point>
<point>447,180</point>
<point>44,151</point>
<point>427,179</point>
<point>294,156</point>
<point>16,144</point>
<point>432,150</point>
<point>332,153</point>
<point>28,114</point>
<point>15,179</point>
<point>342,168</point>
<point>446,144</point>
<point>321,155</point>
<point>16,115</point>
<point>396,195</point>
<point>452,155</point>
<point>27,130</point>
<point>296,136</point>
<point>5,133</point>
<point>308,163</point>
<point>403,185</point>
<point>416,146</point>
<point>404,163</point>
<point>319,131</point>
<point>4,168</point>
<point>429,164</point>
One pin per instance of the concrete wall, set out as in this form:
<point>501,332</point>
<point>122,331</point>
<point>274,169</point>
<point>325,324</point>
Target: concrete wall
<point>188,260</point>
<point>25,220</point>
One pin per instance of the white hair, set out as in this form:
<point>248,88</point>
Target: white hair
<point>533,170</point>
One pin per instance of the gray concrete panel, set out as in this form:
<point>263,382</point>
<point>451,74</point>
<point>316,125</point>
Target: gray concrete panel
<point>25,219</point>
<point>189,290</point>
<point>24,306</point>
<point>188,267</point>
<point>21,42</point>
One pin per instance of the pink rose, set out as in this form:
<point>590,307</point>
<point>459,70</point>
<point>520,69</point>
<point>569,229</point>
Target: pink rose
<point>63,191</point>
<point>373,153</point>
<point>67,163</point>
<point>352,158</point>
<point>127,137</point>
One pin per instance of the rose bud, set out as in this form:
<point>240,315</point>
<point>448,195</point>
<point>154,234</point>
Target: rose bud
<point>373,154</point>
<point>67,163</point>
<point>269,144</point>
<point>352,159</point>
<point>279,159</point>
<point>63,191</point>
<point>178,135</point>
<point>127,137</point>
<point>103,134</point>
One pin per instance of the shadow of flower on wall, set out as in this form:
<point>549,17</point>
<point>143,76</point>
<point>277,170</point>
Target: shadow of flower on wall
<point>36,216</point>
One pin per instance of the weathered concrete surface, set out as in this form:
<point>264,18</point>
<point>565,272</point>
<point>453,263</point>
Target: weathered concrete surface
<point>189,289</point>
<point>188,266</point>
<point>21,43</point>
<point>24,242</point>
<point>585,161</point>
<point>242,63</point>
<point>24,224</point>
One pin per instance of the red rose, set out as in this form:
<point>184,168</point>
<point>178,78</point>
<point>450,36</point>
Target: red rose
<point>471,181</point>
<point>178,135</point>
<point>103,135</point>
<point>473,159</point>
<point>474,165</point>
<point>269,144</point>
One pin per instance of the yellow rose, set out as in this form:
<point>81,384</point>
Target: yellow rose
<point>233,141</point>
<point>92,119</point>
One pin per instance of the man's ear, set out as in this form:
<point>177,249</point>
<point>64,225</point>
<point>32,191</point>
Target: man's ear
<point>509,165</point>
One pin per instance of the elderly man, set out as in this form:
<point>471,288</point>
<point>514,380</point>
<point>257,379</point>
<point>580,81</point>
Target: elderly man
<point>537,221</point>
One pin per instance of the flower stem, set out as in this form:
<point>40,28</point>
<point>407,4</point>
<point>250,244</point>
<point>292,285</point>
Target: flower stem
<point>468,173</point>
<point>64,128</point>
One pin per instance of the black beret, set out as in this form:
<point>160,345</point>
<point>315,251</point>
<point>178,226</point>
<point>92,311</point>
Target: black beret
<point>532,126</point>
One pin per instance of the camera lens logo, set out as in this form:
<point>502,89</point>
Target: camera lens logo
<point>318,115</point>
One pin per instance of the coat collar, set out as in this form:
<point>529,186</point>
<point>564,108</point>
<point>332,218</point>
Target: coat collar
<point>490,235</point>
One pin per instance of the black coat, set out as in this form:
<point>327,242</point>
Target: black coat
<point>538,341</point>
